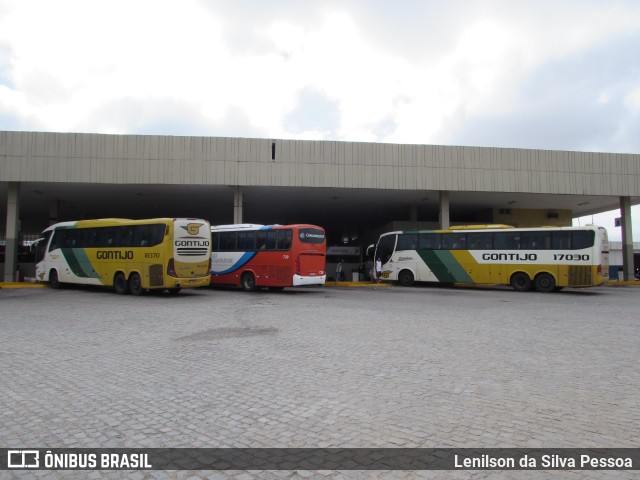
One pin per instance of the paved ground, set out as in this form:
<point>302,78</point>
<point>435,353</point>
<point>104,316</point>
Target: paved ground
<point>322,367</point>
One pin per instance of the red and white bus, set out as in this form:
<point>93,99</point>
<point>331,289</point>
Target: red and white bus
<point>273,256</point>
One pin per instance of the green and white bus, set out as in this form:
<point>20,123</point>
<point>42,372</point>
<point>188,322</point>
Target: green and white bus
<point>545,258</point>
<point>130,255</point>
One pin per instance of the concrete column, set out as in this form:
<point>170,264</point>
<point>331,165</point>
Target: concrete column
<point>627,238</point>
<point>413,213</point>
<point>12,232</point>
<point>444,210</point>
<point>237,204</point>
<point>54,211</point>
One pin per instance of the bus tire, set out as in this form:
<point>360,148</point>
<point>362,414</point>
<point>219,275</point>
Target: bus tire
<point>120,284</point>
<point>520,282</point>
<point>248,282</point>
<point>406,278</point>
<point>53,279</point>
<point>135,284</point>
<point>545,282</point>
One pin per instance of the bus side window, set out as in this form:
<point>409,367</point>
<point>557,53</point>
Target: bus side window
<point>271,239</point>
<point>480,241</point>
<point>582,239</point>
<point>284,239</point>
<point>215,241</point>
<point>157,234</point>
<point>68,240</point>
<point>454,241</point>
<point>536,240</point>
<point>82,238</point>
<point>126,236</point>
<point>110,240</point>
<point>261,240</point>
<point>228,241</point>
<point>561,240</point>
<point>242,241</point>
<point>407,241</point>
<point>506,241</point>
<point>251,240</point>
<point>429,241</point>
<point>91,239</point>
<point>527,241</point>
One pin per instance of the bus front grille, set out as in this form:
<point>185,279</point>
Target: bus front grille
<point>192,251</point>
<point>156,278</point>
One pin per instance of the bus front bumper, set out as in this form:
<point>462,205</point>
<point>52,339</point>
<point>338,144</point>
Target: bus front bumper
<point>186,282</point>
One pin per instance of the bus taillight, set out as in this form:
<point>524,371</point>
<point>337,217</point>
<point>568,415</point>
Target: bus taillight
<point>171,268</point>
<point>298,266</point>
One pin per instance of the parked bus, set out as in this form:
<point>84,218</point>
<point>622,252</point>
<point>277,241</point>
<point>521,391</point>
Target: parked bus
<point>131,255</point>
<point>274,256</point>
<point>546,258</point>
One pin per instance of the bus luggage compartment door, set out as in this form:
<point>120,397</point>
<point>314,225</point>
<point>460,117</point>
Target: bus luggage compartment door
<point>156,277</point>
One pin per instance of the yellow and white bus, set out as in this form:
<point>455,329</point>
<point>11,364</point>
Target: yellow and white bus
<point>546,258</point>
<point>131,255</point>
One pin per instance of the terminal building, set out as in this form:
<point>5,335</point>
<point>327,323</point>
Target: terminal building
<point>354,190</point>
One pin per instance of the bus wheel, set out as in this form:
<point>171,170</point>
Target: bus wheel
<point>135,284</point>
<point>521,282</point>
<point>53,279</point>
<point>545,283</point>
<point>248,282</point>
<point>120,284</point>
<point>405,278</point>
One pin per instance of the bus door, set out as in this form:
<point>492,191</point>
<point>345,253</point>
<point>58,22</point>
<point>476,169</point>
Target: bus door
<point>406,256</point>
<point>384,251</point>
<point>40,253</point>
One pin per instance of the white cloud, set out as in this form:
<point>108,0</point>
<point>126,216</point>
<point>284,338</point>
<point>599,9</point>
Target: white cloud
<point>72,58</point>
<point>632,100</point>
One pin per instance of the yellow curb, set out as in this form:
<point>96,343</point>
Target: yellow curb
<point>22,285</point>
<point>623,282</point>
<point>357,284</point>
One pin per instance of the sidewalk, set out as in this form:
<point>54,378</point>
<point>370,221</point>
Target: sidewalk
<point>616,283</point>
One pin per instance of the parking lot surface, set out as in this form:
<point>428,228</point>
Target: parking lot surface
<point>321,367</point>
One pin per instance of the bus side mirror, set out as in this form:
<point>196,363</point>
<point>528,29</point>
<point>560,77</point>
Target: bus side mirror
<point>370,250</point>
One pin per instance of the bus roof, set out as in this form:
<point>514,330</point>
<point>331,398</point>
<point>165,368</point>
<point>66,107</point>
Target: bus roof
<point>239,226</point>
<point>113,222</point>
<point>257,226</point>
<point>481,227</point>
<point>495,228</point>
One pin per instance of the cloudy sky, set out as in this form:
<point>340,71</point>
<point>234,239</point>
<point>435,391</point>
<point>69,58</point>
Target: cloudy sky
<point>556,74</point>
